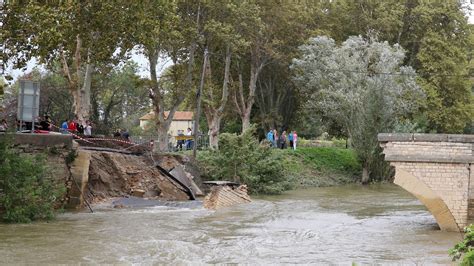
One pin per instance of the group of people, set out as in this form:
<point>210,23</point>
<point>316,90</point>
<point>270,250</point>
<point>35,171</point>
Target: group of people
<point>77,127</point>
<point>122,133</point>
<point>282,141</point>
<point>41,123</point>
<point>188,143</point>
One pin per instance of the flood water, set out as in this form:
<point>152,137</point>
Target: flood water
<point>375,224</point>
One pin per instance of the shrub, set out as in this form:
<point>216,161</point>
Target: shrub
<point>241,158</point>
<point>465,248</point>
<point>26,194</point>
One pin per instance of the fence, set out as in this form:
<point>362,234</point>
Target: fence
<point>202,141</point>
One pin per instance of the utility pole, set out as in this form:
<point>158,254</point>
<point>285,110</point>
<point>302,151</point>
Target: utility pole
<point>197,115</point>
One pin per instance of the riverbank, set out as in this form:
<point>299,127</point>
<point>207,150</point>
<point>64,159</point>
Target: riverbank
<point>320,166</point>
<point>273,171</point>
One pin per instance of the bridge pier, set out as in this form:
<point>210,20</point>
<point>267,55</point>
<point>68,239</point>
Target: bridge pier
<point>437,169</point>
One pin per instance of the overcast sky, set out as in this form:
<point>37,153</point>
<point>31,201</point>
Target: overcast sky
<point>142,62</point>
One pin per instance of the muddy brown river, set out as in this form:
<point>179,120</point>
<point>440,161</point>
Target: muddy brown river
<point>374,224</point>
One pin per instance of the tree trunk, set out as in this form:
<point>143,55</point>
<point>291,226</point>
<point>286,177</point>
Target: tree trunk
<point>82,96</point>
<point>162,123</point>
<point>365,175</point>
<point>214,128</point>
<point>79,81</point>
<point>197,113</point>
<point>163,140</point>
<point>246,120</point>
<point>244,105</point>
<point>214,116</point>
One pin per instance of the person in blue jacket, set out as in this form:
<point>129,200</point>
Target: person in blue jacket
<point>270,137</point>
<point>64,127</point>
<point>290,139</point>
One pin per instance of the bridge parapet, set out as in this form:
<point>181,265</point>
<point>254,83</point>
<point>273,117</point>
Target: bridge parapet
<point>436,168</point>
<point>441,148</point>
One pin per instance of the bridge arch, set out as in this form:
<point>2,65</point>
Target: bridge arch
<point>428,197</point>
<point>438,170</point>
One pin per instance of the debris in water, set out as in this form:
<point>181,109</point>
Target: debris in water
<point>224,196</point>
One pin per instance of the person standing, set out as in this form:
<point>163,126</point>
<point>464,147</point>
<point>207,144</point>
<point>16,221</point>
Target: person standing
<point>46,123</point>
<point>64,127</point>
<point>295,138</point>
<point>3,126</point>
<point>88,129</point>
<point>180,142</point>
<point>125,135</point>
<point>275,138</point>
<point>283,140</point>
<point>117,133</point>
<point>189,141</point>
<point>290,139</point>
<point>270,138</point>
<point>72,126</point>
<point>80,127</point>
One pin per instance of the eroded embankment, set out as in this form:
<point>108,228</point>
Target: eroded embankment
<point>120,175</point>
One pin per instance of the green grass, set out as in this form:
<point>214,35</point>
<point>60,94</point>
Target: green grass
<point>330,159</point>
<point>320,166</point>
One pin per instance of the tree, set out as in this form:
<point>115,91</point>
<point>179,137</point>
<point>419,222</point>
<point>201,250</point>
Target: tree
<point>243,159</point>
<point>361,84</point>
<point>442,35</point>
<point>119,97</point>
<point>167,29</point>
<point>271,34</point>
<point>435,35</point>
<point>79,35</point>
<point>289,25</point>
<point>253,58</point>
<point>219,40</point>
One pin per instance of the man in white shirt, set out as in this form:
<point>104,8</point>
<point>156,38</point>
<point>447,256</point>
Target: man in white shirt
<point>88,129</point>
<point>189,142</point>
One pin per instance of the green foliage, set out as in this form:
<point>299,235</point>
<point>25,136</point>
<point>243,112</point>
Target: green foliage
<point>465,248</point>
<point>241,158</point>
<point>449,106</point>
<point>330,159</point>
<point>50,31</point>
<point>118,99</point>
<point>27,193</point>
<point>70,157</point>
<point>305,167</point>
<point>345,83</point>
<point>436,37</point>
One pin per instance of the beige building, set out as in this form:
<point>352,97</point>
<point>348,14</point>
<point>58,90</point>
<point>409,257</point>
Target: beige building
<point>181,121</point>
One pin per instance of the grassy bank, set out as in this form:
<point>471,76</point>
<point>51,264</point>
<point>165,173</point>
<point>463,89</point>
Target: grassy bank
<point>271,171</point>
<point>320,166</point>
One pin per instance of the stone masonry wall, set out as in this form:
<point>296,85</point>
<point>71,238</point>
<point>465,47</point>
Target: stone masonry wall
<point>450,181</point>
<point>442,162</point>
<point>428,151</point>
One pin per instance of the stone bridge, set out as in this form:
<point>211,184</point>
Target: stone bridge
<point>438,170</point>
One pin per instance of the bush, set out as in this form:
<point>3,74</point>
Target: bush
<point>26,194</point>
<point>465,248</point>
<point>241,158</point>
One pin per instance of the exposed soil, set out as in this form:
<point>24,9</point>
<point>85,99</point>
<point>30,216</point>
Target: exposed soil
<point>171,161</point>
<point>121,175</point>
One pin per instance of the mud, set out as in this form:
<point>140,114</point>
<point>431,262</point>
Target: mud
<point>120,175</point>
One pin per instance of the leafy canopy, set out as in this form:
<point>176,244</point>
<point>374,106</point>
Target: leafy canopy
<point>361,84</point>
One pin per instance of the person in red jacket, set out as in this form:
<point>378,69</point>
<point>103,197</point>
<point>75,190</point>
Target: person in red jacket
<point>72,126</point>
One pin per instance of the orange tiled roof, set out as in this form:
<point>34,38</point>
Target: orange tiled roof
<point>178,116</point>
